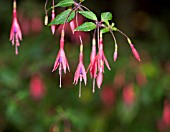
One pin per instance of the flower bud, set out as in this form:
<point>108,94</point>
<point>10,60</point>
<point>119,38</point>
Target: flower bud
<point>72,26</point>
<point>53,26</point>
<point>46,19</point>
<point>135,52</point>
<point>115,56</point>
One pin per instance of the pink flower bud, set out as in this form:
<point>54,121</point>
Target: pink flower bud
<point>72,26</point>
<point>135,52</point>
<point>53,26</point>
<point>115,56</point>
<point>46,20</point>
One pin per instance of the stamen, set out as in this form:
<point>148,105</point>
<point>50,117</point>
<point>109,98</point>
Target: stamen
<point>94,85</point>
<point>60,73</point>
<point>80,86</point>
<point>16,49</point>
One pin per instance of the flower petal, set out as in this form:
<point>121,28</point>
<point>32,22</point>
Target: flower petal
<point>106,62</point>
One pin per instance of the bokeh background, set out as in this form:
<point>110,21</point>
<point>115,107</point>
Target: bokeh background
<point>134,96</point>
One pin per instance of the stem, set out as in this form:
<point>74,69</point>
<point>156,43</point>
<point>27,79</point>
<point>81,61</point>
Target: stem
<point>122,33</point>
<point>45,7</point>
<point>85,7</point>
<point>94,34</point>
<point>53,2</point>
<point>98,35</point>
<point>68,16</point>
<point>77,26</point>
<point>113,37</point>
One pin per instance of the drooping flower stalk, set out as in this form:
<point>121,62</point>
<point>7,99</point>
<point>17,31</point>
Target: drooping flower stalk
<point>80,71</point>
<point>15,33</point>
<point>61,60</point>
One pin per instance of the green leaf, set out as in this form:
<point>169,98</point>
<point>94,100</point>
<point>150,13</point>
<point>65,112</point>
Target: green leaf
<point>106,16</point>
<point>88,14</point>
<point>105,30</point>
<point>64,3</point>
<point>87,26</point>
<point>63,16</point>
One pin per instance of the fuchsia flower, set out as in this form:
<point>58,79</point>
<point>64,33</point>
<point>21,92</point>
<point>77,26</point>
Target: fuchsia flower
<point>15,34</point>
<point>80,72</point>
<point>101,59</point>
<point>61,59</point>
<point>53,26</point>
<point>37,87</point>
<point>93,64</point>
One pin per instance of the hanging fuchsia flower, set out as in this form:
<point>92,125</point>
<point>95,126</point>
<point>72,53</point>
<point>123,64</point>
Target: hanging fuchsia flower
<point>101,59</point>
<point>93,64</point>
<point>53,26</point>
<point>80,72</point>
<point>61,59</point>
<point>15,34</point>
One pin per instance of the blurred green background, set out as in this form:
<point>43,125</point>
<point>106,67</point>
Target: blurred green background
<point>132,95</point>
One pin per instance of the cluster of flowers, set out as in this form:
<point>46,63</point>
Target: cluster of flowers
<point>97,60</point>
